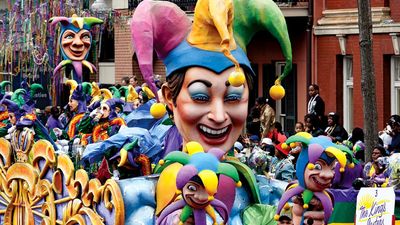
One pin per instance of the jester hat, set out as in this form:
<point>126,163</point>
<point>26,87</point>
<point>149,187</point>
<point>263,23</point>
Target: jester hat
<point>77,94</point>
<point>75,24</point>
<point>204,165</point>
<point>211,41</point>
<point>112,103</point>
<point>314,148</point>
<point>13,107</point>
<point>3,86</point>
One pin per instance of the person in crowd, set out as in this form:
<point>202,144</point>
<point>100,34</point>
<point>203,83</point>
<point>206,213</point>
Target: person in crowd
<point>334,129</point>
<point>277,135</point>
<point>53,120</point>
<point>356,135</point>
<point>299,127</point>
<point>77,109</point>
<point>265,143</point>
<point>369,168</point>
<point>380,177</point>
<point>316,104</point>
<point>394,123</point>
<point>253,121</point>
<point>125,81</point>
<point>134,81</point>
<point>285,219</point>
<point>386,136</point>
<point>267,116</point>
<point>281,166</point>
<point>312,125</point>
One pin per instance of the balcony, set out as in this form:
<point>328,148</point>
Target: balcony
<point>290,8</point>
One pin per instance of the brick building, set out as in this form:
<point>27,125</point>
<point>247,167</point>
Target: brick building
<point>336,58</point>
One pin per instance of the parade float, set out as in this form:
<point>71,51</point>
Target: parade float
<point>52,181</point>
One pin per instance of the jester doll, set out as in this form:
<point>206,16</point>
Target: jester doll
<point>197,182</point>
<point>315,170</point>
<point>207,92</point>
<point>75,42</point>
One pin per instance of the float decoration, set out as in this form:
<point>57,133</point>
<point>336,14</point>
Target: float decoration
<point>313,149</point>
<point>41,187</point>
<point>197,183</point>
<point>75,42</point>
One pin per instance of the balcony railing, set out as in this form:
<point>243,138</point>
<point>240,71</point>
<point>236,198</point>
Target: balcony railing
<point>188,5</point>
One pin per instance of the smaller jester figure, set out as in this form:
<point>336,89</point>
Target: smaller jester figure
<point>75,42</point>
<point>315,172</point>
<point>197,183</point>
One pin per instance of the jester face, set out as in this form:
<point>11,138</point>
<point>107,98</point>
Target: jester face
<point>209,111</point>
<point>12,118</point>
<point>76,45</point>
<point>195,195</point>
<point>73,104</point>
<point>320,177</point>
<point>105,111</point>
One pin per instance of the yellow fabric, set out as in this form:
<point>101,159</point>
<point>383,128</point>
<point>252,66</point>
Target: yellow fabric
<point>213,25</point>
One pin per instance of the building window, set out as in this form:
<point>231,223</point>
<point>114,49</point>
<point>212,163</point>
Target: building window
<point>348,92</point>
<point>395,81</point>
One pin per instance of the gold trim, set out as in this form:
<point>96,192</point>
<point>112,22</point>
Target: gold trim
<point>50,189</point>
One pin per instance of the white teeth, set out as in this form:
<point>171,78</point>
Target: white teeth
<point>212,131</point>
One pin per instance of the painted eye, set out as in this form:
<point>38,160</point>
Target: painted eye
<point>318,166</point>
<point>200,97</point>
<point>85,36</point>
<point>69,36</point>
<point>192,188</point>
<point>199,92</point>
<point>234,93</point>
<point>233,97</point>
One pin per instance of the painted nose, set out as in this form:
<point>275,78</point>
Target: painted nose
<point>218,113</point>
<point>201,197</point>
<point>77,42</point>
<point>327,174</point>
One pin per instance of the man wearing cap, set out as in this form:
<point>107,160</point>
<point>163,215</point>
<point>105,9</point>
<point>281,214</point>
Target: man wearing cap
<point>282,166</point>
<point>285,219</point>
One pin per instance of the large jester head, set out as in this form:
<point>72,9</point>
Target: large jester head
<point>75,36</point>
<point>315,165</point>
<point>75,41</point>
<point>197,180</point>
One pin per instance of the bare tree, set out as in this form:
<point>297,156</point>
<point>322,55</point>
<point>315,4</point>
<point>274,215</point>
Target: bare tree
<point>367,76</point>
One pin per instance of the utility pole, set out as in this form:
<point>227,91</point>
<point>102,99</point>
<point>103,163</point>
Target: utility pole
<point>367,77</point>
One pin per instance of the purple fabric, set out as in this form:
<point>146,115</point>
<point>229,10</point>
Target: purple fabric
<point>226,191</point>
<point>173,140</point>
<point>345,195</point>
<point>53,123</point>
<point>345,180</point>
<point>167,215</point>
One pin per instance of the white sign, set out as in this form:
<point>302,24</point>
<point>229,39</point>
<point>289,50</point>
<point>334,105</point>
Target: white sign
<point>375,206</point>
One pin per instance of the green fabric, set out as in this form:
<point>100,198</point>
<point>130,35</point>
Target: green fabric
<point>265,15</point>
<point>168,121</point>
<point>249,179</point>
<point>86,125</point>
<point>130,146</point>
<point>259,214</point>
<point>343,212</point>
<point>186,213</point>
<point>3,131</point>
